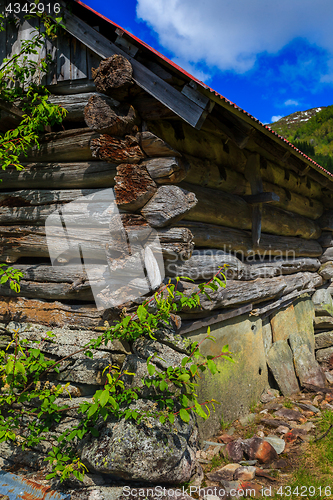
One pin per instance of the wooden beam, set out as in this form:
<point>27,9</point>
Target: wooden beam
<point>254,199</point>
<point>173,99</point>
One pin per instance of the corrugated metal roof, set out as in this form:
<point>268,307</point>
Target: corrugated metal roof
<point>18,487</point>
<point>212,91</point>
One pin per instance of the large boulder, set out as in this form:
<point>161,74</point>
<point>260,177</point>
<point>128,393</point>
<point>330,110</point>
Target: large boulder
<point>148,451</point>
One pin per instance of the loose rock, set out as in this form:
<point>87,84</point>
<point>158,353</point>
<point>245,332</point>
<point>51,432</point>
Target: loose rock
<point>290,414</point>
<point>257,448</point>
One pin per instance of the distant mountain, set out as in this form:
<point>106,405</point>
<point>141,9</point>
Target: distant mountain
<point>310,131</point>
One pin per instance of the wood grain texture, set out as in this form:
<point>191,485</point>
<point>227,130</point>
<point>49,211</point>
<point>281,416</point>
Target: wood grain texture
<point>171,170</point>
<point>116,150</point>
<point>238,293</point>
<point>204,264</point>
<point>20,241</point>
<point>235,240</point>
<point>104,115</point>
<point>168,205</point>
<point>154,146</point>
<point>134,186</point>
<point>113,77</point>
<point>70,145</point>
<point>225,209</point>
<point>91,174</point>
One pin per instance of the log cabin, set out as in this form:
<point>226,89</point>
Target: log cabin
<point>214,184</point>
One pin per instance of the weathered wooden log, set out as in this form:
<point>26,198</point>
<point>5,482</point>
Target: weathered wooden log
<point>134,186</point>
<point>326,221</point>
<point>208,174</point>
<point>216,207</point>
<point>208,146</point>
<point>73,282</point>
<point>294,202</point>
<point>70,145</point>
<point>167,170</point>
<point>327,199</point>
<point>154,146</point>
<point>101,114</point>
<point>168,205</point>
<point>85,144</point>
<point>93,174</point>
<point>204,264</point>
<point>176,241</point>
<point>237,293</point>
<point>113,77</point>
<point>199,144</point>
<point>151,109</point>
<point>30,241</point>
<point>41,196</point>
<point>235,240</point>
<point>52,314</point>
<point>49,291</point>
<point>290,180</point>
<point>75,104</point>
<point>116,150</point>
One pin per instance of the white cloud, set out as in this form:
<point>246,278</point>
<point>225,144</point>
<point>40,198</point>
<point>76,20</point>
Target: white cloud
<point>275,118</point>
<point>291,102</point>
<point>229,34</point>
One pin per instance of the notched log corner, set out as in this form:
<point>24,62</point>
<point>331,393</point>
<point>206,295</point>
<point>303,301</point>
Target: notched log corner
<point>108,116</point>
<point>116,150</point>
<point>134,186</point>
<point>113,77</point>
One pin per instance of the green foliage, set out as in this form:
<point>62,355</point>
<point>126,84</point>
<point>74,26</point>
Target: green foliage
<point>29,405</point>
<point>20,78</point>
<point>12,275</point>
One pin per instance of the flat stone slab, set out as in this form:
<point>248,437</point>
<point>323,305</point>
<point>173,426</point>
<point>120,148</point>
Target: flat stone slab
<point>283,323</point>
<point>307,367</point>
<point>305,313</point>
<point>267,336</point>
<point>323,302</point>
<point>289,414</point>
<point>323,322</point>
<point>325,357</point>
<point>323,340</point>
<point>280,362</point>
<point>302,338</point>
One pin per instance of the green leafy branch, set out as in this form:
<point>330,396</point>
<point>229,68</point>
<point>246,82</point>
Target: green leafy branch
<point>17,85</point>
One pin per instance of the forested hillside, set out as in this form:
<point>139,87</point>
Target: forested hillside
<point>310,131</point>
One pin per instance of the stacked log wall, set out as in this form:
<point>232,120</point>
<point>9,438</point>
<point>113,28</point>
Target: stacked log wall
<point>191,186</point>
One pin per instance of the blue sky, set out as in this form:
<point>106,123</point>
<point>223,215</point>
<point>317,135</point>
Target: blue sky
<point>270,58</point>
